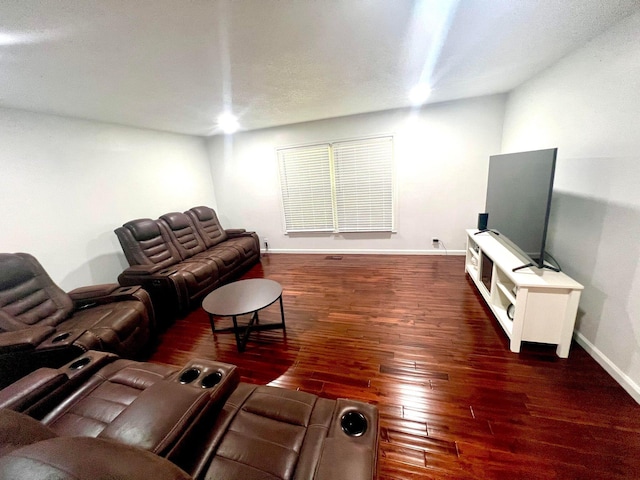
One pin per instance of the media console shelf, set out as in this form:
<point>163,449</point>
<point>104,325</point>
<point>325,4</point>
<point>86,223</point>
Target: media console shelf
<point>531,305</point>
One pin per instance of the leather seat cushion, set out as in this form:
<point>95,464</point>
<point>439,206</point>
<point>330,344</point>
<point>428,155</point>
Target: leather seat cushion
<point>199,271</point>
<point>269,433</point>
<point>225,258</point>
<point>93,407</point>
<point>246,246</point>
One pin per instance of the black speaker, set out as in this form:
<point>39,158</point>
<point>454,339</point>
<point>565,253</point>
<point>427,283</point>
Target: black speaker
<point>483,219</point>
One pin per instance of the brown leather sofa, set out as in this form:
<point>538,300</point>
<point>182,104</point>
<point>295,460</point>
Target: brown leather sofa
<point>180,257</point>
<point>42,325</point>
<point>193,422</point>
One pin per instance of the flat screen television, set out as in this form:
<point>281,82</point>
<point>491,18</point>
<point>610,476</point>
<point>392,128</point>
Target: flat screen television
<point>519,191</point>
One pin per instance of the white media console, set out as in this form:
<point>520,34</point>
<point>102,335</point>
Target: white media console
<point>532,304</point>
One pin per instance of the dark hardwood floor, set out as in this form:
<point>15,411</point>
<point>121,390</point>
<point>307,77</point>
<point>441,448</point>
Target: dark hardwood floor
<point>411,335</point>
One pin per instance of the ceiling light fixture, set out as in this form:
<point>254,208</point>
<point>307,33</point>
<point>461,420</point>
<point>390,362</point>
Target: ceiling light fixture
<point>228,123</point>
<point>419,94</point>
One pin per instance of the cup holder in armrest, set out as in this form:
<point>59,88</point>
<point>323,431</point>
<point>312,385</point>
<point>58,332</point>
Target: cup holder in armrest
<point>61,337</point>
<point>81,362</point>
<point>353,423</point>
<point>189,375</point>
<point>211,380</point>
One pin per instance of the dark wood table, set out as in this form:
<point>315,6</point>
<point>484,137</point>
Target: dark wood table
<point>243,298</point>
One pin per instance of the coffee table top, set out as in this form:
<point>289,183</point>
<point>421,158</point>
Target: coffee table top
<point>242,297</point>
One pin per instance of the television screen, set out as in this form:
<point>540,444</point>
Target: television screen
<point>519,199</point>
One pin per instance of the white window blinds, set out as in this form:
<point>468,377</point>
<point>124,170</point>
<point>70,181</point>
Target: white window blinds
<point>364,185</point>
<point>340,187</point>
<point>305,179</point>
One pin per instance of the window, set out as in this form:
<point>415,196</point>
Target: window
<point>341,187</point>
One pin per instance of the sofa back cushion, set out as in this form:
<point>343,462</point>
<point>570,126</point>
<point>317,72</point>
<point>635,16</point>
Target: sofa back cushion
<point>18,429</point>
<point>206,223</point>
<point>144,243</point>
<point>80,458</point>
<point>183,234</point>
<point>28,296</point>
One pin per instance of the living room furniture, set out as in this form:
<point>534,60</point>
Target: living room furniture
<point>531,304</point>
<point>244,297</point>
<point>198,418</point>
<point>42,325</point>
<point>180,257</point>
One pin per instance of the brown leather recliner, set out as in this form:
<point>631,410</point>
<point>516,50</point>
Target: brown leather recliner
<point>181,257</point>
<point>198,417</point>
<point>42,325</point>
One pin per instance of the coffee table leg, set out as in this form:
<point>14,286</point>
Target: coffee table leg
<point>284,327</point>
<point>236,332</point>
<point>213,327</point>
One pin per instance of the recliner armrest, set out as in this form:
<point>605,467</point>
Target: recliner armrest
<point>350,454</point>
<point>93,291</point>
<point>25,339</point>
<point>86,297</point>
<point>164,284</point>
<point>148,270</point>
<point>29,389</point>
<point>237,232</point>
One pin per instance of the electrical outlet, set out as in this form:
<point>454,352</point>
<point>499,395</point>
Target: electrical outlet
<point>435,240</point>
<point>266,244</point>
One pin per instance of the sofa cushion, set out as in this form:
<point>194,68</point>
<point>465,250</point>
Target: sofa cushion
<point>14,271</point>
<point>29,296</point>
<point>246,246</point>
<point>206,223</point>
<point>183,234</point>
<point>69,458</point>
<point>17,430</point>
<point>143,229</point>
<point>273,433</point>
<point>144,243</point>
<point>91,409</point>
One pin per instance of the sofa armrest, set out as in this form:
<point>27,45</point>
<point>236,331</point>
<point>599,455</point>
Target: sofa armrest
<point>237,232</point>
<point>350,449</point>
<point>93,291</point>
<point>29,389</point>
<point>149,270</point>
<point>86,297</point>
<point>25,339</point>
<point>165,285</point>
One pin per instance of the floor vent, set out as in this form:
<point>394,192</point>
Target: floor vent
<point>333,257</point>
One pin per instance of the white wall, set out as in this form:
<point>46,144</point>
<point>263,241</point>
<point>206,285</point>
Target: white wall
<point>441,153</point>
<point>65,185</point>
<point>588,105</point>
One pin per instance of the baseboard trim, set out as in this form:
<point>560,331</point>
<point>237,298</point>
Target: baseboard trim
<point>364,251</point>
<point>611,368</point>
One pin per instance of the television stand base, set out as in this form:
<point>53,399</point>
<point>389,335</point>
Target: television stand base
<point>530,306</point>
<point>548,267</point>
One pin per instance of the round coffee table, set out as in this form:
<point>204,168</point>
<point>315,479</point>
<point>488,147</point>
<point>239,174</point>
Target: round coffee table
<point>242,298</point>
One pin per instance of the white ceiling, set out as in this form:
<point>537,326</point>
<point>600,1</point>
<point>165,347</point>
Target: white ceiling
<point>174,65</point>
